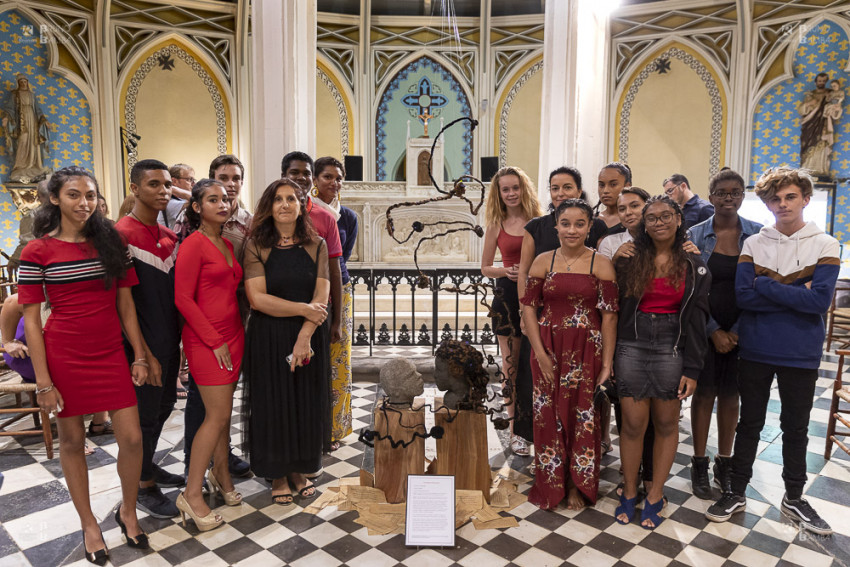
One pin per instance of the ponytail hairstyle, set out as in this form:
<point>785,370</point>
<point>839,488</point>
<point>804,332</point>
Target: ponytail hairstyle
<point>98,230</point>
<point>623,170</point>
<point>193,219</point>
<point>575,204</point>
<point>635,274</point>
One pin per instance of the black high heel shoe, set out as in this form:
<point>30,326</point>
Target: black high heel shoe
<point>99,557</point>
<point>138,542</point>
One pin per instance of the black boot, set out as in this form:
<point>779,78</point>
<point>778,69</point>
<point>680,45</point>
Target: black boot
<point>699,478</point>
<point>722,468</point>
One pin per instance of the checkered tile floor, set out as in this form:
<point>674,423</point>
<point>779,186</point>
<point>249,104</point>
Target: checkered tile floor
<point>38,525</point>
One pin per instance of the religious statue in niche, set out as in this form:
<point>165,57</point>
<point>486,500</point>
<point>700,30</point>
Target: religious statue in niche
<point>459,369</point>
<point>401,382</point>
<point>422,173</point>
<point>27,133</point>
<point>819,110</point>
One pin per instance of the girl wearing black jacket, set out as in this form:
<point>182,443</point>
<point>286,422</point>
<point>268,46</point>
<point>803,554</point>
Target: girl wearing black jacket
<point>661,346</point>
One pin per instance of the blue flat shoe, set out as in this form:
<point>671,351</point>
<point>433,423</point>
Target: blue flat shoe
<point>650,512</point>
<point>627,507</point>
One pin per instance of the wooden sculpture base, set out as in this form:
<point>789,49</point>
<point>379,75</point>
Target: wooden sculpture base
<point>462,451</point>
<point>392,465</point>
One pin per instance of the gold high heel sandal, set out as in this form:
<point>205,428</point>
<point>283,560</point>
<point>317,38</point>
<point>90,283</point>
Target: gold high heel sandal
<point>231,498</point>
<point>205,523</point>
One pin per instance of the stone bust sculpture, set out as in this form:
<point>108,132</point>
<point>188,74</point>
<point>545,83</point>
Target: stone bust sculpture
<point>459,370</point>
<point>401,382</point>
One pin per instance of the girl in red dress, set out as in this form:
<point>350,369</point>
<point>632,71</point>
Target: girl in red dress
<point>206,277</point>
<point>573,351</point>
<point>78,357</point>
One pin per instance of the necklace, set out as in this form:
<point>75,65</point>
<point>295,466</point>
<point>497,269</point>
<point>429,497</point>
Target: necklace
<point>156,237</point>
<point>287,240</point>
<point>570,264</point>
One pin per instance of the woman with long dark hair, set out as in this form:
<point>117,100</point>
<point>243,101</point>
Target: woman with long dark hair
<point>287,281</point>
<point>569,310</point>
<point>80,262</point>
<point>511,203</point>
<point>207,275</point>
<point>661,346</point>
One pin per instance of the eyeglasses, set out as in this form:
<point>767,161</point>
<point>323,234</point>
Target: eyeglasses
<point>189,179</point>
<point>664,217</point>
<point>670,190</point>
<point>728,194</point>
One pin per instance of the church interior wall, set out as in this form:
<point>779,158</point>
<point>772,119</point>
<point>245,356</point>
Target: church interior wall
<point>24,49</point>
<point>669,119</point>
<point>176,107</point>
<point>820,45</point>
<point>519,121</point>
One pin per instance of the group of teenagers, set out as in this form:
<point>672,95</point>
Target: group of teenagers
<point>107,306</point>
<point>625,306</point>
<point>644,302</point>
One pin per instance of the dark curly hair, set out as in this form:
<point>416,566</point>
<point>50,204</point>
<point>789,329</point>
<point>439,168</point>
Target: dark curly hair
<point>575,204</point>
<point>465,360</point>
<point>264,233</point>
<point>635,274</point>
<point>193,219</point>
<point>98,230</point>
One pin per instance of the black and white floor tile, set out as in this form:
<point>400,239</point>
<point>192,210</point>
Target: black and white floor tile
<point>38,524</point>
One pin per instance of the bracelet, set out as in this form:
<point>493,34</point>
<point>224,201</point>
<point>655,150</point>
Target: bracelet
<point>11,342</point>
<point>141,363</point>
<point>43,390</point>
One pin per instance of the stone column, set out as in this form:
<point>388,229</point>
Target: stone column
<point>283,117</point>
<point>573,128</point>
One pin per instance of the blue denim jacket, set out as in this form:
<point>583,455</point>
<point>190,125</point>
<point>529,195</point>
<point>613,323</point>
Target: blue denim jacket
<point>702,235</point>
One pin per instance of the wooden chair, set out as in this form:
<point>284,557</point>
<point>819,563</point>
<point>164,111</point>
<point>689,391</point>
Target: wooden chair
<point>838,320</point>
<point>840,393</point>
<point>41,418</point>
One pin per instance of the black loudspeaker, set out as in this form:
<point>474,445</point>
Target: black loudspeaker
<point>489,167</point>
<point>353,168</point>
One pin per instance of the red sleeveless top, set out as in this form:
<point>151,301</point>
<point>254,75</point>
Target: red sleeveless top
<point>510,246</point>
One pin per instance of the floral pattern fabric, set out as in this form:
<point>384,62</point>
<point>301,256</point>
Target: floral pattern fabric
<point>567,437</point>
<point>341,370</point>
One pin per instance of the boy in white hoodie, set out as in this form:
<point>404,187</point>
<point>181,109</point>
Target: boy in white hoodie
<point>784,284</point>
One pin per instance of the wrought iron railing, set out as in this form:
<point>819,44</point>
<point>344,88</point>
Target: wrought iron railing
<point>412,327</point>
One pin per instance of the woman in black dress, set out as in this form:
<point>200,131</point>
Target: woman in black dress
<point>287,282</point>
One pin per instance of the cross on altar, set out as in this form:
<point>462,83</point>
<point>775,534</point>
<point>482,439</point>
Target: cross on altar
<point>425,117</point>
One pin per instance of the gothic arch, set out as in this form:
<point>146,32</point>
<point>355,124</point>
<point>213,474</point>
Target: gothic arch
<point>713,80</point>
<point>526,69</point>
<point>145,59</point>
<point>84,83</point>
<point>400,73</point>
<point>342,95</point>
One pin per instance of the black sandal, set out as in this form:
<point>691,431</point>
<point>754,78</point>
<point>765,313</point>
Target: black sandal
<point>303,496</point>
<point>283,499</point>
<point>104,428</point>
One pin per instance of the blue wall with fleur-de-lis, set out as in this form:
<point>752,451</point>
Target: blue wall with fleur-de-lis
<point>422,85</point>
<point>67,110</point>
<point>822,48</point>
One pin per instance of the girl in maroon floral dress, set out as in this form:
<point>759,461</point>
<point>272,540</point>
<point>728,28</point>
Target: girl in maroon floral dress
<point>569,311</point>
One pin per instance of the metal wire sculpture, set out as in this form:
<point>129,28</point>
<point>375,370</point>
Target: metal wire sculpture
<point>486,401</point>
